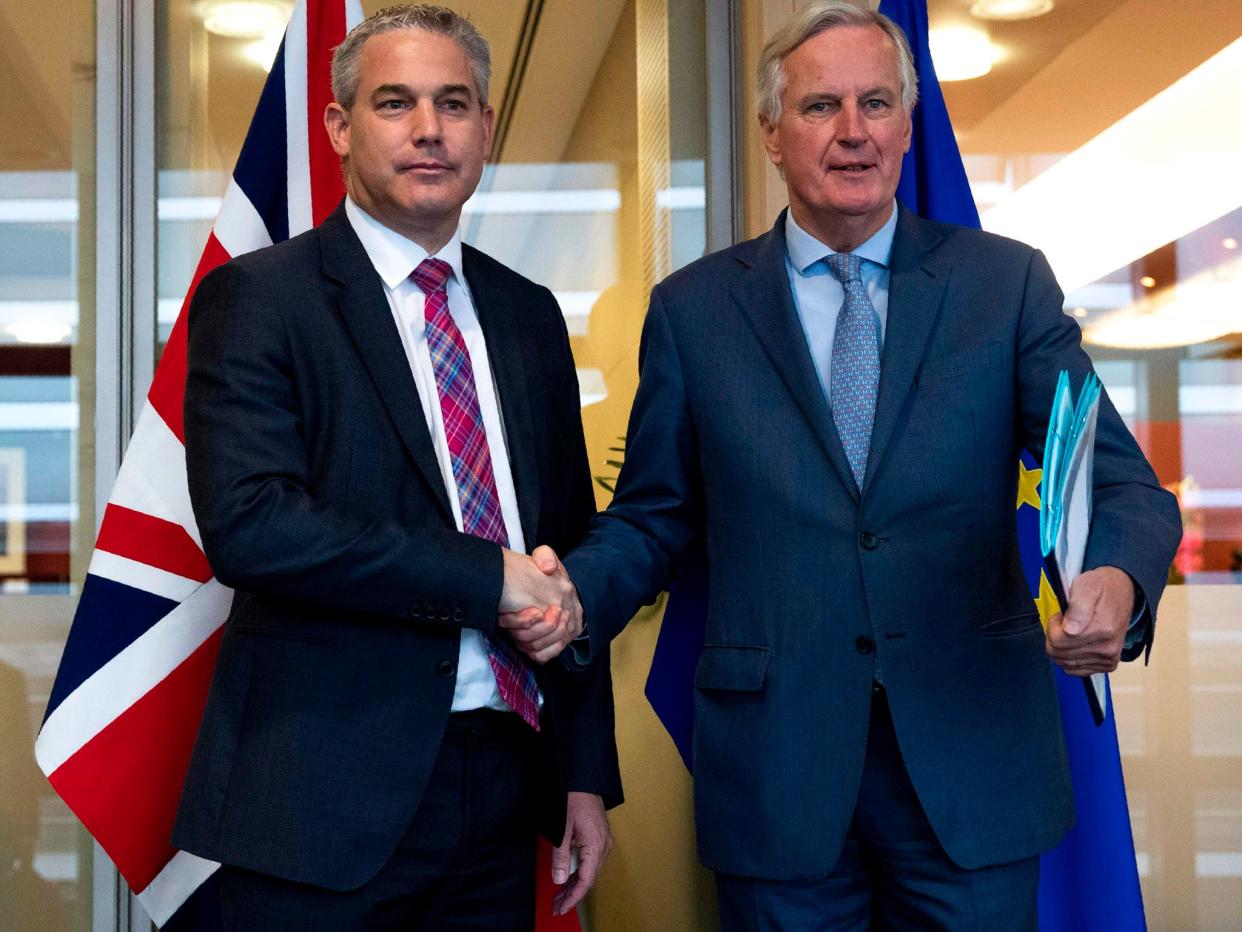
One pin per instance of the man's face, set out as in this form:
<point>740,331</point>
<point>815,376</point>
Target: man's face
<point>841,134</point>
<point>416,138</point>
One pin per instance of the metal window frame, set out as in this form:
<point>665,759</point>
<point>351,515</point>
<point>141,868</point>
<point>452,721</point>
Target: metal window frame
<point>125,298</point>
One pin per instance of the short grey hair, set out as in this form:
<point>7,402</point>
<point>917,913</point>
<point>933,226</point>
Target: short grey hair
<point>435,19</point>
<point>814,18</point>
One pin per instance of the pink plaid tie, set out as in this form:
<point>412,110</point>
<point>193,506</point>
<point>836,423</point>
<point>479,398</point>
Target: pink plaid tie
<point>472,468</point>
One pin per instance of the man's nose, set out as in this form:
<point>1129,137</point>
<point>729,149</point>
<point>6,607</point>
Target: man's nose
<point>850,124</point>
<point>426,123</point>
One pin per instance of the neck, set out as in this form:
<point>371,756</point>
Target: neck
<point>839,232</point>
<point>429,233</point>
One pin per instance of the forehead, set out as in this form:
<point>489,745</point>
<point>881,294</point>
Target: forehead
<point>844,58</point>
<point>413,57</point>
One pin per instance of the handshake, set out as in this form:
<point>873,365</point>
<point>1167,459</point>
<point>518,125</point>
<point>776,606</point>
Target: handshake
<point>539,605</point>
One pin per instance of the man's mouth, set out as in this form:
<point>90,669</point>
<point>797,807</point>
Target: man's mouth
<point>853,168</point>
<point>425,165</point>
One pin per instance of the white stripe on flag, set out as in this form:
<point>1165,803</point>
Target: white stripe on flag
<point>142,576</point>
<point>131,674</point>
<point>238,227</point>
<point>152,477</point>
<point>172,886</point>
<point>297,146</point>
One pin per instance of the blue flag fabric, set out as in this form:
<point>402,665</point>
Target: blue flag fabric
<point>1090,881</point>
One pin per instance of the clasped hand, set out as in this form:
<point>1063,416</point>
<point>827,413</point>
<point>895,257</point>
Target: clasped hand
<point>539,605</point>
<point>1089,637</point>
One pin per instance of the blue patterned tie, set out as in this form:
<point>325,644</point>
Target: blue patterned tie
<point>855,363</point>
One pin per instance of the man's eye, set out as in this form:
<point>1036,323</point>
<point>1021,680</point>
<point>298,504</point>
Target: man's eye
<point>454,105</point>
<point>819,106</point>
<point>391,104</point>
<point>877,103</point>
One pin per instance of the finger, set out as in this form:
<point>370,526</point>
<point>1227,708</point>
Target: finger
<point>548,653</point>
<point>529,636</point>
<point>546,559</point>
<point>1082,601</point>
<point>560,858</point>
<point>523,619</point>
<point>570,895</point>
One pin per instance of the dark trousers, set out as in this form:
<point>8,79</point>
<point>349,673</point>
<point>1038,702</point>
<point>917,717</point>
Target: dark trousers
<point>467,860</point>
<point>892,873</point>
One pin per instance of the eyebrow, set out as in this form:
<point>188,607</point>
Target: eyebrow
<point>404,90</point>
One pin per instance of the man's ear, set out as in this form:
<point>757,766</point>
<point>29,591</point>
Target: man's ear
<point>771,139</point>
<point>489,124</point>
<point>336,122</point>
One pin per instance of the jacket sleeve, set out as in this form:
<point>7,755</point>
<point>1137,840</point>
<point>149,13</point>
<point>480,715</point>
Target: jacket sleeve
<point>1136,524</point>
<point>263,528</point>
<point>635,548</point>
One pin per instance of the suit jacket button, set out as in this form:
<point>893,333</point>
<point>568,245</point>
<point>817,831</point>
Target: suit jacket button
<point>445,614</point>
<point>864,645</point>
<point>868,540</point>
<point>459,615</point>
<point>416,610</point>
<point>446,668</point>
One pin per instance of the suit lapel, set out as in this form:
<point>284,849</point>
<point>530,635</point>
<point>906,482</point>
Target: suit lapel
<point>916,288</point>
<point>368,318</point>
<point>765,300</point>
<point>503,333</point>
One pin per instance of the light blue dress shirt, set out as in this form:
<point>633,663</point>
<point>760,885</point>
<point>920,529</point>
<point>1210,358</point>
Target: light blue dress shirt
<point>818,295</point>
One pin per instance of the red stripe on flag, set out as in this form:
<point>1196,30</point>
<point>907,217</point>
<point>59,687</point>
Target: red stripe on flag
<point>325,28</point>
<point>168,387</point>
<point>125,783</point>
<point>153,541</point>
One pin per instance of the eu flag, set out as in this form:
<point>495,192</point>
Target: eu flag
<point>1090,881</point>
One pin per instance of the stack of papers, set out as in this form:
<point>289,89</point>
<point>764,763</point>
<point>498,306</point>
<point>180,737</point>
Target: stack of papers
<point>1065,503</point>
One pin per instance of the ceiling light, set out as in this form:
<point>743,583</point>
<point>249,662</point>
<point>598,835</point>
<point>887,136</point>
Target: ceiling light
<point>1147,281</point>
<point>1080,312</point>
<point>1010,9</point>
<point>244,19</point>
<point>263,51</point>
<point>1206,307</point>
<point>960,53</point>
<point>1229,242</point>
<point>1111,202</point>
<point>39,331</point>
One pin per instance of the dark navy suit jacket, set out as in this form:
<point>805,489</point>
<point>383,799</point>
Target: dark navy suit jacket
<point>811,584</point>
<point>316,489</point>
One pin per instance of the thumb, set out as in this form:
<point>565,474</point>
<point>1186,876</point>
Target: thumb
<point>560,858</point>
<point>546,559</point>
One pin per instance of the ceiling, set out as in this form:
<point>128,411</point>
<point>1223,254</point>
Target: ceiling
<point>1063,78</point>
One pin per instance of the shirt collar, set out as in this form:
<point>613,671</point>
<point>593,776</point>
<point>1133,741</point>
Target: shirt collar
<point>393,255</point>
<point>805,250</point>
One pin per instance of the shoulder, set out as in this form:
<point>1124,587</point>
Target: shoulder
<point>715,273</point>
<point>967,243</point>
<point>492,273</point>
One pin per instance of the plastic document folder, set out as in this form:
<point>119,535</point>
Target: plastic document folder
<point>1065,504</point>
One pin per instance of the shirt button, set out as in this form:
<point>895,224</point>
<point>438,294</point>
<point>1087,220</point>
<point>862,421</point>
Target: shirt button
<point>868,540</point>
<point>446,668</point>
<point>864,645</point>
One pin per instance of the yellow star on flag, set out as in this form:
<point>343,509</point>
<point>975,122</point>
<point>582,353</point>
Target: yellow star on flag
<point>1047,603</point>
<point>1028,486</point>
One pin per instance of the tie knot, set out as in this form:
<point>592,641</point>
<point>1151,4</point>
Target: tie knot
<point>431,275</point>
<point>846,266</point>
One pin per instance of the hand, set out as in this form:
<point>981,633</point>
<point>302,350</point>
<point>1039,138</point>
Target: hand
<point>586,829</point>
<point>539,605</point>
<point>1089,637</point>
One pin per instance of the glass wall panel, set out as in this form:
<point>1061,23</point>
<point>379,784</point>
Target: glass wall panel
<point>47,387</point>
<point>1107,134</point>
<point>595,189</point>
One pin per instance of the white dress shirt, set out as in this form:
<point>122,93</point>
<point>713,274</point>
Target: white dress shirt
<point>394,258</point>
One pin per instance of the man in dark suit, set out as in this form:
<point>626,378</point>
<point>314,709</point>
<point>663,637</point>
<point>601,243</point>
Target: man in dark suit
<point>379,421</point>
<point>836,408</point>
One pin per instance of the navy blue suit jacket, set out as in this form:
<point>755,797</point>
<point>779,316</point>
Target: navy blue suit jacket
<point>811,584</point>
<point>319,498</point>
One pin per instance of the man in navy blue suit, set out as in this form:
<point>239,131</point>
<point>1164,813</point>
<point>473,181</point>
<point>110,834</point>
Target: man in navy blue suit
<point>836,408</point>
<point>380,420</point>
